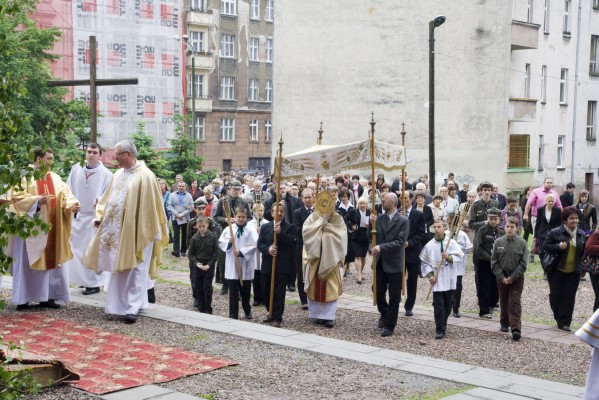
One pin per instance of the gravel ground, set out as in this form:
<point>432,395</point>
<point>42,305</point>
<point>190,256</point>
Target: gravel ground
<point>265,371</point>
<point>531,357</point>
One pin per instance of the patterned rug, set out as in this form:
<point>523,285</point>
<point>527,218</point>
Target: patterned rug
<point>105,361</point>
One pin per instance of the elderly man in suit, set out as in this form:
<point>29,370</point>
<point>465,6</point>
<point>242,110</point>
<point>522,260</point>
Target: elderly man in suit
<point>413,248</point>
<point>180,206</point>
<point>299,217</point>
<point>392,230</point>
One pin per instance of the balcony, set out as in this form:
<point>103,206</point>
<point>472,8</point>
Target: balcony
<point>524,35</point>
<point>203,60</point>
<point>522,110</point>
<point>200,18</point>
<point>203,104</point>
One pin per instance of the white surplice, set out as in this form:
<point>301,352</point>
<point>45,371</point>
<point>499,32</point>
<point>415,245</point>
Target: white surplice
<point>246,244</point>
<point>88,185</point>
<point>431,260</point>
<point>466,245</point>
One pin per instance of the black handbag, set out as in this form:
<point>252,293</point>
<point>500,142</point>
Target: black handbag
<point>548,260</point>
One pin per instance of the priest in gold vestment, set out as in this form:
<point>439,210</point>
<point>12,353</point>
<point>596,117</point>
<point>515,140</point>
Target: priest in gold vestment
<point>132,232</point>
<point>38,275</point>
<point>325,246</point>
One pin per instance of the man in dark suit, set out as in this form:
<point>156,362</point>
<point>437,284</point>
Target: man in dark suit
<point>299,217</point>
<point>392,231</point>
<point>413,248</point>
<point>283,252</point>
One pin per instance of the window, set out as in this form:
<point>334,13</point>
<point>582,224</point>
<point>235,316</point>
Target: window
<point>546,17</point>
<point>561,142</point>
<point>267,130</point>
<point>519,151</point>
<point>594,65</point>
<point>268,50</point>
<point>197,41</point>
<point>227,46</point>
<point>543,84</point>
<point>199,85</point>
<point>529,11</point>
<point>255,9</point>
<point>595,4</point>
<point>253,92</point>
<point>227,7</point>
<point>527,81</point>
<point>227,130</point>
<point>541,152</point>
<point>268,90</point>
<point>254,130</point>
<point>269,13</point>
<point>592,121</point>
<point>198,5</point>
<point>567,11</point>
<point>227,88</point>
<point>254,47</point>
<point>198,132</point>
<point>563,87</point>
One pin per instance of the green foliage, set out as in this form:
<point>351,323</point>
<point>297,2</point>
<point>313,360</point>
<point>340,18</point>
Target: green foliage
<point>147,153</point>
<point>183,159</point>
<point>15,385</point>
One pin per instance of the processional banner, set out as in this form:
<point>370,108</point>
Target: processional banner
<point>330,159</point>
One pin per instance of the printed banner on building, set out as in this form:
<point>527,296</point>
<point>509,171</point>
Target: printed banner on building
<point>330,159</point>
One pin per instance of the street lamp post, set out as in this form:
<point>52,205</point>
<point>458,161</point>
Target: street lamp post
<point>438,21</point>
<point>193,82</point>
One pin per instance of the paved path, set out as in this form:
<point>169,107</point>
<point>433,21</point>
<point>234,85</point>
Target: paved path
<point>490,384</point>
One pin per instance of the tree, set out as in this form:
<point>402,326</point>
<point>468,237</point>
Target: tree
<point>183,159</point>
<point>147,153</point>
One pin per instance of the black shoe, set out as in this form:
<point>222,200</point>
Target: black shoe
<point>268,320</point>
<point>387,332</point>
<point>504,329</point>
<point>409,313</point>
<point>248,316</point>
<point>175,254</point>
<point>21,307</point>
<point>151,296</point>
<point>565,328</point>
<point>256,304</point>
<point>305,307</point>
<point>50,304</point>
<point>319,321</point>
<point>290,288</point>
<point>224,290</point>
<point>329,324</point>
<point>457,314</point>
<point>184,254</point>
<point>91,290</point>
<point>485,316</point>
<point>130,318</point>
<point>381,323</point>
<point>516,335</point>
<point>439,335</point>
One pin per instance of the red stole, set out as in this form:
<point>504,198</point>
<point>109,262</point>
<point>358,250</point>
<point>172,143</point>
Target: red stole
<point>45,186</point>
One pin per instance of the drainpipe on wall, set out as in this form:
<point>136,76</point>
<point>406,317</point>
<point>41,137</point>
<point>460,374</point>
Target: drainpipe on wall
<point>576,68</point>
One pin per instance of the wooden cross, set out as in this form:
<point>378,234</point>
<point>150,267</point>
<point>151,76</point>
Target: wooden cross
<point>92,82</point>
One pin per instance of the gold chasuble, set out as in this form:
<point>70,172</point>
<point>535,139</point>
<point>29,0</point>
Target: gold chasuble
<point>46,250</point>
<point>131,216</point>
<point>325,246</point>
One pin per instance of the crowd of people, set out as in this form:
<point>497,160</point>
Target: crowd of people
<point>256,236</point>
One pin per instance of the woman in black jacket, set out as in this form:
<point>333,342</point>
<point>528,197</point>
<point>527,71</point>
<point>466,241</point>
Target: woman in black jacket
<point>567,243</point>
<point>548,218</point>
<point>588,213</point>
<point>358,224</point>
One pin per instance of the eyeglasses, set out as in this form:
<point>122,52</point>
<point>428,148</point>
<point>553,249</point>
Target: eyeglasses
<point>122,152</point>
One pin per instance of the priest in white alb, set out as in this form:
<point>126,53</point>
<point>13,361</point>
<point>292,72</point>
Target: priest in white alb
<point>132,232</point>
<point>87,183</point>
<point>39,275</point>
<point>325,246</point>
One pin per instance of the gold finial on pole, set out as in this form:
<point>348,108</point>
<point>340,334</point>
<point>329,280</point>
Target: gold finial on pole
<point>320,132</point>
<point>373,207</point>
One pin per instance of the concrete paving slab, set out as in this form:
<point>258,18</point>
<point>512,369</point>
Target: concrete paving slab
<point>174,396</point>
<point>484,394</point>
<point>138,393</point>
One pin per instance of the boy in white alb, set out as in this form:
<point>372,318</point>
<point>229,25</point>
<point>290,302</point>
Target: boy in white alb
<point>239,248</point>
<point>440,258</point>
<point>255,224</point>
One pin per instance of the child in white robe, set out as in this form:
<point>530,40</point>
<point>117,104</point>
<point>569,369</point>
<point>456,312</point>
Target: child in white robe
<point>589,333</point>
<point>254,224</point>
<point>241,247</point>
<point>440,258</point>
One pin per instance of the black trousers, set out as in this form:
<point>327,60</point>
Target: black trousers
<point>293,267</point>
<point>299,275</point>
<point>257,285</point>
<point>235,289</point>
<point>442,308</point>
<point>413,270</point>
<point>388,283</point>
<point>457,295</point>
<point>562,295</point>
<point>278,304</point>
<point>220,268</point>
<point>179,238</point>
<point>486,286</point>
<point>201,284</point>
<point>595,283</point>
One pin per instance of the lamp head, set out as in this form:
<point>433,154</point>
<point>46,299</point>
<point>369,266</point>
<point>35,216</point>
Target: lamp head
<point>438,21</point>
<point>186,38</point>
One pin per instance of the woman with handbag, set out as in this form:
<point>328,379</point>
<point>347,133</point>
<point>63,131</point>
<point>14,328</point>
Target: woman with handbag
<point>566,244</point>
<point>548,218</point>
<point>590,263</point>
<point>358,223</point>
<point>343,208</point>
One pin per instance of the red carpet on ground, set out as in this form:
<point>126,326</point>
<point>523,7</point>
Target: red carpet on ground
<point>105,361</point>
